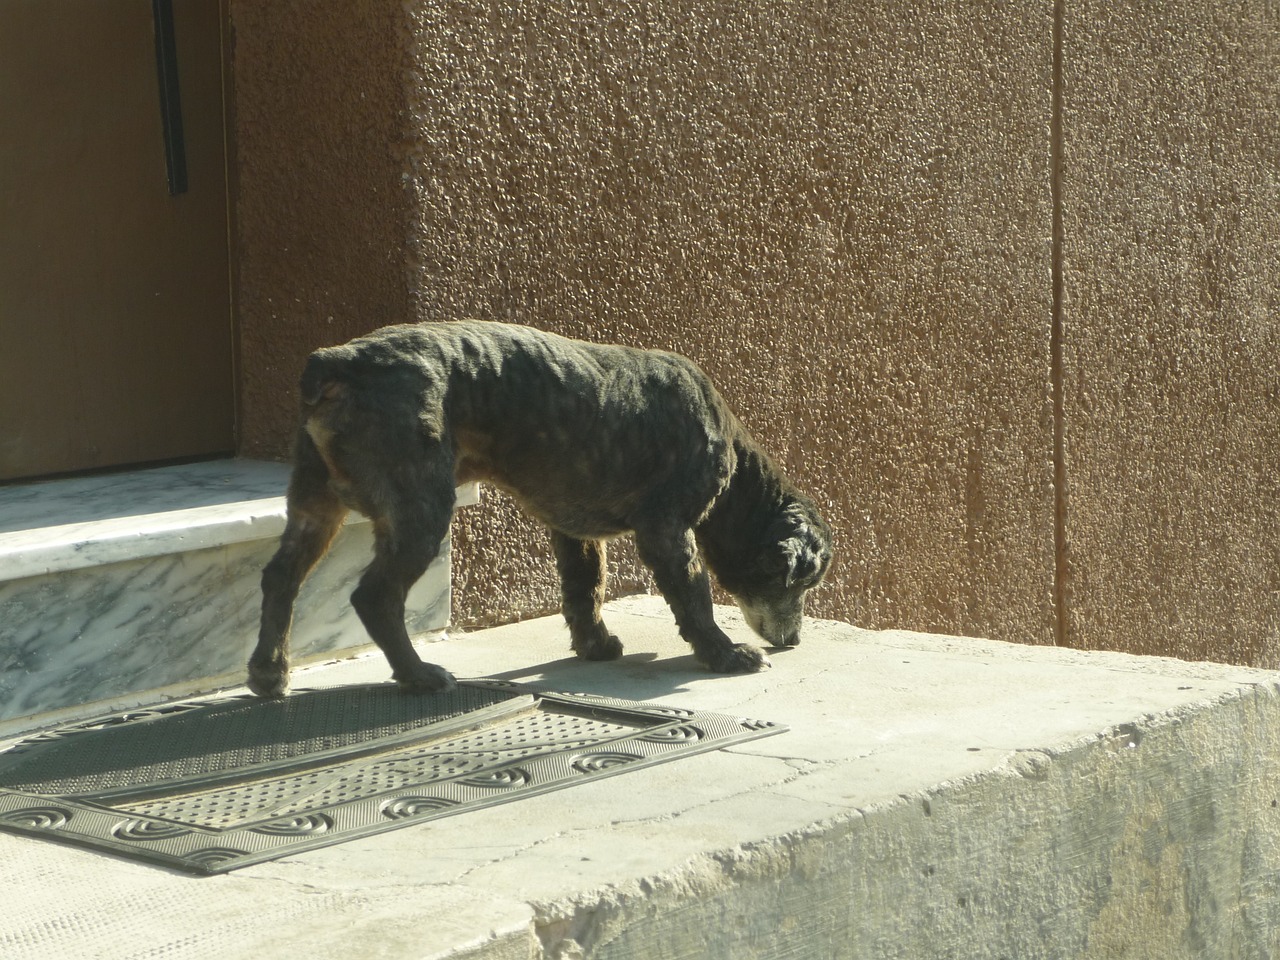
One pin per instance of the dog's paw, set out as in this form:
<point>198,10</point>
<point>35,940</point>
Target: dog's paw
<point>426,678</point>
<point>739,658</point>
<point>269,680</point>
<point>603,647</point>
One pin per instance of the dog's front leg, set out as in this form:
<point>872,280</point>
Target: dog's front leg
<point>314,515</point>
<point>406,539</point>
<point>581,564</point>
<point>673,557</point>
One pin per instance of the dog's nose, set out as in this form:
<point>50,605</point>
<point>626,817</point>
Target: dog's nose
<point>791,639</point>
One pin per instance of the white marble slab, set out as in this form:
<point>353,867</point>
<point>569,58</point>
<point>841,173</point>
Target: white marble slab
<point>119,584</point>
<point>87,521</point>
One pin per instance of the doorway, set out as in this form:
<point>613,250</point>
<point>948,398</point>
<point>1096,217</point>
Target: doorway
<point>116,341</point>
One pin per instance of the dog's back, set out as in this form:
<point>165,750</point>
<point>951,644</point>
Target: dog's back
<point>583,434</point>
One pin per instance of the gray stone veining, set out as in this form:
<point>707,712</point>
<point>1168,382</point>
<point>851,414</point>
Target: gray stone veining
<point>118,584</point>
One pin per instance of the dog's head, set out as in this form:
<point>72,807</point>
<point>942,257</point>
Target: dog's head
<point>791,560</point>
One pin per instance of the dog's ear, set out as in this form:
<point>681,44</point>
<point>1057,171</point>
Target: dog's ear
<point>808,548</point>
<point>807,559</point>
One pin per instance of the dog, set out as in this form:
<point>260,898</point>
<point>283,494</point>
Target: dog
<point>593,440</point>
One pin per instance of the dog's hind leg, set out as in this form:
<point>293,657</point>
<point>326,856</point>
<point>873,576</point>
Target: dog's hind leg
<point>314,515</point>
<point>673,557</point>
<point>407,538</point>
<point>581,564</point>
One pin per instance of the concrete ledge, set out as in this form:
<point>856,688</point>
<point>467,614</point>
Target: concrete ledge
<point>934,797</point>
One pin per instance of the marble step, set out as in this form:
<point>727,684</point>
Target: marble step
<point>133,587</point>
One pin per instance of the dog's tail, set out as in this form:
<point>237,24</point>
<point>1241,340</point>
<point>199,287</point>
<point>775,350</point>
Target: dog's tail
<point>325,377</point>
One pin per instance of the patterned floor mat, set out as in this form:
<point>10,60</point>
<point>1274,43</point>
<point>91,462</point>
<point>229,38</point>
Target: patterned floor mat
<point>213,785</point>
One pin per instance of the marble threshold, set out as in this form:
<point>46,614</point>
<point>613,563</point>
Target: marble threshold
<point>132,587</point>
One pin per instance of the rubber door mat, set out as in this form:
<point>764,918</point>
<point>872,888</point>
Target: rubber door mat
<point>212,785</point>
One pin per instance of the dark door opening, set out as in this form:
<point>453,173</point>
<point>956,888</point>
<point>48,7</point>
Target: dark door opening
<point>116,338</point>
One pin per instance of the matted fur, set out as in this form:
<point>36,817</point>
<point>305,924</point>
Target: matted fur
<point>593,440</point>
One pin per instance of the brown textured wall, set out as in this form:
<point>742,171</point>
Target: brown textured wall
<point>841,210</point>
<point>1172,217</point>
<point>320,206</point>
<point>845,211</point>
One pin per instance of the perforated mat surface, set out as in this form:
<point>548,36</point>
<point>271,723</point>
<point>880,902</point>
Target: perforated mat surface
<point>212,785</point>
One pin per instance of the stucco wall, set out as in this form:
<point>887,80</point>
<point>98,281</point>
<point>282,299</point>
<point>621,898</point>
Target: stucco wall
<point>318,199</point>
<point>845,212</point>
<point>791,195</point>
<point>1172,269</point>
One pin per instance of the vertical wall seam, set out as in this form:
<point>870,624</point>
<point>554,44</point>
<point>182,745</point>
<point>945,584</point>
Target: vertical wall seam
<point>1057,373</point>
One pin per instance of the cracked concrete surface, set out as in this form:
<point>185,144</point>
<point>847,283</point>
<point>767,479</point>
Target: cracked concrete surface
<point>934,797</point>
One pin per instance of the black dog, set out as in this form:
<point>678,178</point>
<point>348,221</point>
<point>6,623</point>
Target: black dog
<point>593,440</point>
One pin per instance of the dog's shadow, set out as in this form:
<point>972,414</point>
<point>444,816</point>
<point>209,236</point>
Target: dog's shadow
<point>634,676</point>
